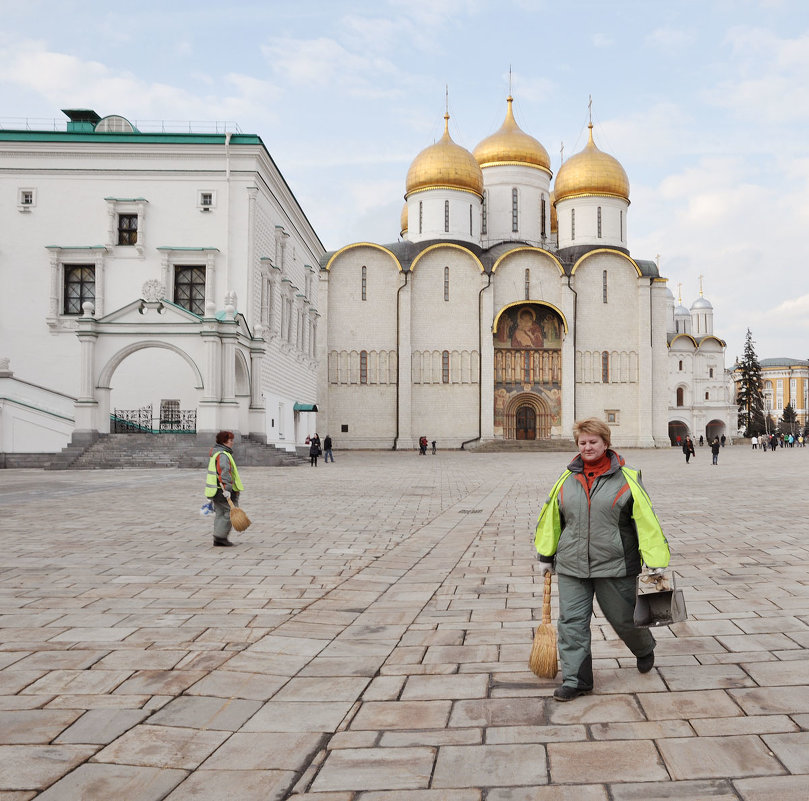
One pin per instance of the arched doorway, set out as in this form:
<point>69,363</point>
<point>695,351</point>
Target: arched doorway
<point>677,428</point>
<point>526,422</point>
<point>716,428</point>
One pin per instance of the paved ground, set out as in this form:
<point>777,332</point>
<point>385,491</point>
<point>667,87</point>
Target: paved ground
<point>369,638</point>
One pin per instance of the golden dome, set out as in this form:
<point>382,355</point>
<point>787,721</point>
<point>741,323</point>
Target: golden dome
<point>444,165</point>
<point>591,172</point>
<point>403,221</point>
<point>554,219</point>
<point>511,145</point>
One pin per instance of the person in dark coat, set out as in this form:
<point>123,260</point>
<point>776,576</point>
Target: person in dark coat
<point>688,449</point>
<point>715,445</point>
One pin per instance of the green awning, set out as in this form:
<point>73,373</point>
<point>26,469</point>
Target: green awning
<point>305,407</point>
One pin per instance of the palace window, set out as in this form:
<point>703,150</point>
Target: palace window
<point>79,287</point>
<point>364,282</point>
<point>599,222</point>
<point>604,287</point>
<point>446,216</point>
<point>527,283</point>
<point>573,223</point>
<point>189,288</point>
<point>445,367</point>
<point>363,367</point>
<point>446,283</point>
<point>605,367</point>
<point>127,229</point>
<point>515,210</point>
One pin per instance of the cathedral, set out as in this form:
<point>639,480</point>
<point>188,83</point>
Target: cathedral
<point>509,307</point>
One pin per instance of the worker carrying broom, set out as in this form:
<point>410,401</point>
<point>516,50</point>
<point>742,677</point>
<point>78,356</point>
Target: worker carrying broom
<point>595,531</point>
<point>223,486</point>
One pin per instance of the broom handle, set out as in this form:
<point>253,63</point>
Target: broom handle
<point>546,600</point>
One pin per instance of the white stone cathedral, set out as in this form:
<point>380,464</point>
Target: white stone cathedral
<point>510,307</point>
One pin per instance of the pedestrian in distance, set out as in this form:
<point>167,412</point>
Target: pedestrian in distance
<point>715,445</point>
<point>327,450</point>
<point>422,446</point>
<point>688,449</point>
<point>433,444</point>
<point>595,531</point>
<point>701,440</point>
<point>723,440</point>
<point>222,483</point>
<point>314,450</point>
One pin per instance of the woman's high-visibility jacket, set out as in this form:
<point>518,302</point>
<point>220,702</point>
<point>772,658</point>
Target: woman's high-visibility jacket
<point>604,532</point>
<point>222,472</point>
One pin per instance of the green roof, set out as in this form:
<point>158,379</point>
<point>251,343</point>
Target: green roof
<point>129,138</point>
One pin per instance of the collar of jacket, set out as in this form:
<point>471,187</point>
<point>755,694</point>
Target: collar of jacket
<point>616,463</point>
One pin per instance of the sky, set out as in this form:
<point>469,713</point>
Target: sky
<point>705,104</point>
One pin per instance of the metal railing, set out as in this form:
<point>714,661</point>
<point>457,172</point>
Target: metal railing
<point>141,421</point>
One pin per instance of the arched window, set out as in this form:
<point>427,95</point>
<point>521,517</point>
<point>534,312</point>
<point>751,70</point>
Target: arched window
<point>446,216</point>
<point>573,223</point>
<point>363,367</point>
<point>514,210</point>
<point>446,283</point>
<point>542,211</point>
<point>364,282</point>
<point>599,222</point>
<point>604,287</point>
<point>710,372</point>
<point>680,396</point>
<point>527,283</point>
<point>445,367</point>
<point>605,367</point>
<point>681,365</point>
<point>707,395</point>
<point>483,220</point>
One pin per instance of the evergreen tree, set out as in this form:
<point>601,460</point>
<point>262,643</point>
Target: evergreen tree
<point>750,396</point>
<point>789,421</point>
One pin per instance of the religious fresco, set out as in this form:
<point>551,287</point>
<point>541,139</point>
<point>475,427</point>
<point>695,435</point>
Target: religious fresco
<point>528,364</point>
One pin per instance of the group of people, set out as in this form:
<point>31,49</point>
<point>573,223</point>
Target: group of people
<point>315,449</point>
<point>773,441</point>
<point>688,448</point>
<point>423,446</point>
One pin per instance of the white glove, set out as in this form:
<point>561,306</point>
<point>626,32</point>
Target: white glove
<point>656,571</point>
<point>546,568</point>
<point>226,494</point>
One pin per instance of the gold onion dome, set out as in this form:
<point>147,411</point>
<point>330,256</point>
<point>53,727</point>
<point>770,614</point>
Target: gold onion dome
<point>444,165</point>
<point>403,220</point>
<point>591,172</point>
<point>554,218</point>
<point>511,145</point>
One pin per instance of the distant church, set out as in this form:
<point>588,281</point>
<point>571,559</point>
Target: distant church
<point>510,307</point>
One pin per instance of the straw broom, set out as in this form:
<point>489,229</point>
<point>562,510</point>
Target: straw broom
<point>238,517</point>
<point>543,650</point>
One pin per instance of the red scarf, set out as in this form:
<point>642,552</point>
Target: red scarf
<point>592,470</point>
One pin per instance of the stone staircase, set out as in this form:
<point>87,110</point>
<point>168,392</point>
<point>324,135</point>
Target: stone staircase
<point>119,451</point>
<point>525,446</point>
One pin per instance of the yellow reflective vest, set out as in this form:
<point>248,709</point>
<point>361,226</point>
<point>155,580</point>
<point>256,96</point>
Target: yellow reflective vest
<point>214,479</point>
<point>654,549</point>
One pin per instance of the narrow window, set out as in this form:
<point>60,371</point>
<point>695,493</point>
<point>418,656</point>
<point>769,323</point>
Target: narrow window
<point>363,367</point>
<point>681,365</point>
<point>446,216</point>
<point>542,212</point>
<point>421,214</point>
<point>445,367</point>
<point>470,219</point>
<point>189,288</point>
<point>364,282</point>
<point>605,367</point>
<point>79,288</point>
<point>127,229</point>
<point>680,396</point>
<point>604,287</point>
<point>622,225</point>
<point>710,373</point>
<point>573,223</point>
<point>483,220</point>
<point>514,211</point>
<point>446,283</point>
<point>527,283</point>
<point>527,366</point>
<point>707,394</point>
<point>599,222</point>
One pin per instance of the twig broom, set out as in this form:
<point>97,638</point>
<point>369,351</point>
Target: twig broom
<point>238,517</point>
<point>543,650</point>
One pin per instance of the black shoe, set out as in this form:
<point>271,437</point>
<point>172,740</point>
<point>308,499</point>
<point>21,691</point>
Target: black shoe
<point>223,543</point>
<point>646,663</point>
<point>565,693</point>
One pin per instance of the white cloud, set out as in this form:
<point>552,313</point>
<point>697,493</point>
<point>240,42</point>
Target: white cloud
<point>602,40</point>
<point>669,40</point>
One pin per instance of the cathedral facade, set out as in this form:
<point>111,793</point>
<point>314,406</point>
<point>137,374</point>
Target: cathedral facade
<point>509,307</point>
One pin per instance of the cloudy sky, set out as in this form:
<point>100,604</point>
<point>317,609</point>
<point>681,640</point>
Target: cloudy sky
<point>705,103</point>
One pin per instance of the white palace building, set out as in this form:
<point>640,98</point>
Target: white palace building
<point>170,281</point>
<point>511,306</point>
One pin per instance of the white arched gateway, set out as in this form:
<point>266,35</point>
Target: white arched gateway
<point>213,367</point>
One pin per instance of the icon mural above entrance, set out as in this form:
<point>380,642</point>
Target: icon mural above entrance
<point>527,371</point>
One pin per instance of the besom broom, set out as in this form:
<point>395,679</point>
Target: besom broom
<point>543,650</point>
<point>238,517</point>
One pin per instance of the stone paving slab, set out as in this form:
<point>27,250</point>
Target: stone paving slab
<point>373,644</point>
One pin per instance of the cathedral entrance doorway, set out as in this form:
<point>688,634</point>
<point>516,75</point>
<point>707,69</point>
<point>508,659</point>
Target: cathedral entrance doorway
<point>526,423</point>
<point>678,431</point>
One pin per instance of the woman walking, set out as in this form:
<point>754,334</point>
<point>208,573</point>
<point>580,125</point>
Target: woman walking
<point>222,482</point>
<point>595,530</point>
<point>688,449</point>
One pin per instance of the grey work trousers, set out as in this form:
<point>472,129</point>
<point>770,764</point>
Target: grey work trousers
<point>221,521</point>
<point>616,597</point>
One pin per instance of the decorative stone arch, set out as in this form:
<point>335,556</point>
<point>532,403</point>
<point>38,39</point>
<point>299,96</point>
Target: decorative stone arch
<point>242,374</point>
<point>451,246</point>
<point>539,412</point>
<point>527,249</point>
<point>678,428</point>
<point>611,251</point>
<point>550,306</point>
<point>715,428</point>
<point>372,245</point>
<point>106,373</point>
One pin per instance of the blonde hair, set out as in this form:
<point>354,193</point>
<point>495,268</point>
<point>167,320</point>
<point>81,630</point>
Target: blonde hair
<point>592,425</point>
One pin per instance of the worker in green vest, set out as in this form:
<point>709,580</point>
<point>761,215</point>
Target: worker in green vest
<point>222,483</point>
